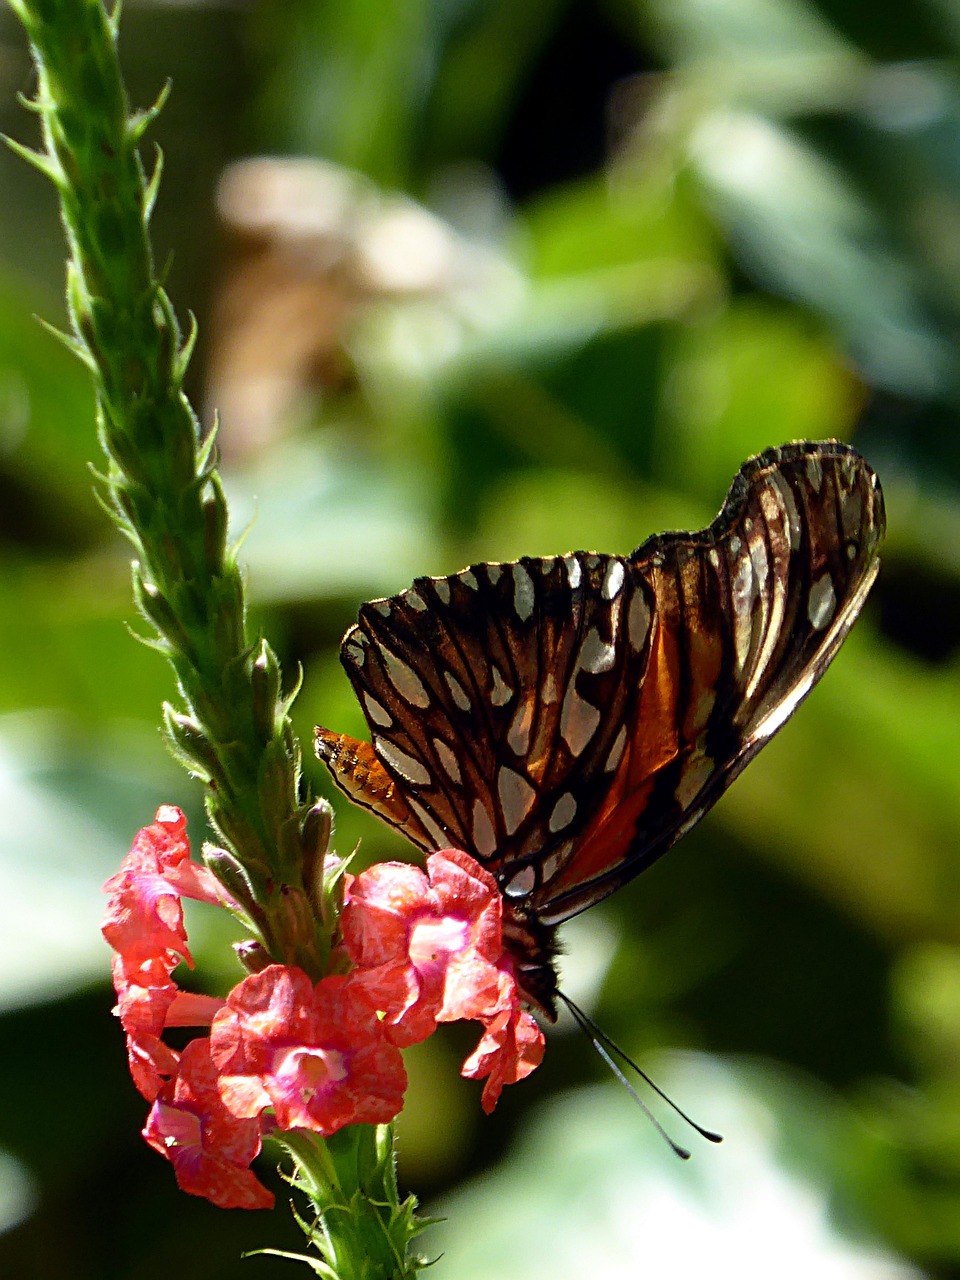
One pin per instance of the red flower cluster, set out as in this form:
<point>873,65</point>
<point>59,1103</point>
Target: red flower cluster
<point>282,1052</point>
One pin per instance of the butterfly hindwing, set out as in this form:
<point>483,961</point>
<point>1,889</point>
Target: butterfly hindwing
<point>749,614</point>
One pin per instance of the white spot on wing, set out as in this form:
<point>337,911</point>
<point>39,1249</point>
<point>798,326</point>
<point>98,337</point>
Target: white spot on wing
<point>814,473</point>
<point>613,580</point>
<point>579,720</point>
<point>564,812</point>
<point>468,579</point>
<point>415,601</point>
<point>521,884</point>
<point>408,768</point>
<point>383,607</point>
<point>378,714</point>
<point>405,680</point>
<point>574,572</point>
<point>501,693</point>
<point>516,798</point>
<point>822,602</point>
<point>761,562</point>
<point>742,588</point>
<point>638,621</point>
<point>493,573</point>
<point>457,690</point>
<point>790,507</point>
<point>524,596</point>
<point>772,612</point>
<point>548,694</point>
<point>448,760</point>
<point>356,654</point>
<point>596,655</point>
<point>442,588</point>
<point>484,836</point>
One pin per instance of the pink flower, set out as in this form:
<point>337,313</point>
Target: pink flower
<point>510,1048</point>
<point>144,924</point>
<point>210,1148</point>
<point>316,1054</point>
<point>144,918</point>
<point>145,994</point>
<point>425,946</point>
<point>428,949</point>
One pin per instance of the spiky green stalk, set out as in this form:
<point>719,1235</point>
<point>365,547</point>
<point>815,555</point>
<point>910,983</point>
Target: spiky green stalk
<point>161,487</point>
<point>363,1230</point>
<point>233,729</point>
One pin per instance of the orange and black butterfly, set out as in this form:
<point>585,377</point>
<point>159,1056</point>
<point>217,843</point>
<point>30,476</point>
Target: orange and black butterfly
<point>565,720</point>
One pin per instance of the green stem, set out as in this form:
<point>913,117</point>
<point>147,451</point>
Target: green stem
<point>363,1230</point>
<point>233,728</point>
<point>161,487</point>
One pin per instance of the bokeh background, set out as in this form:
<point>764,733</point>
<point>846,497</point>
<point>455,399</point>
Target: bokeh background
<point>478,279</point>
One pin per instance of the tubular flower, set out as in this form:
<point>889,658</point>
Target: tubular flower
<point>425,946</point>
<point>144,924</point>
<point>316,1054</point>
<point>144,918</point>
<point>145,994</point>
<point>510,1048</point>
<point>428,948</point>
<point>209,1147</point>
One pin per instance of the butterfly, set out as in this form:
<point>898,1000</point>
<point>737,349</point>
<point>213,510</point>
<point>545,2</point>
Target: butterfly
<point>565,720</point>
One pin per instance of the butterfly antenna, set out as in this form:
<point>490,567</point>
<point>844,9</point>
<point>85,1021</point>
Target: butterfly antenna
<point>602,1042</point>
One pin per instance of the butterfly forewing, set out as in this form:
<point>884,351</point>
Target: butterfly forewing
<point>498,697</point>
<point>565,720</point>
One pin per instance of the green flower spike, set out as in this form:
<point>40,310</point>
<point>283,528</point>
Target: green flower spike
<point>232,727</point>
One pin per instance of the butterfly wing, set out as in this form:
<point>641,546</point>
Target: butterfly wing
<point>565,720</point>
<point>749,614</point>
<point>497,699</point>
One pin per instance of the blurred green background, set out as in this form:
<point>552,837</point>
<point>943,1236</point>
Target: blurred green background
<point>479,279</point>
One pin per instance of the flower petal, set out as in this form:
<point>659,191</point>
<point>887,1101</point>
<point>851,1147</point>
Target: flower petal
<point>210,1149</point>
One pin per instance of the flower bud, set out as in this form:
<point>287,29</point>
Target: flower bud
<point>214,528</point>
<point>253,955</point>
<point>234,877</point>
<point>157,609</point>
<point>265,681</point>
<point>191,746</point>
<point>317,830</point>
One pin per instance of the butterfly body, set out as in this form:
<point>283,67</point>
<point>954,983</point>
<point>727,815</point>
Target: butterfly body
<point>565,720</point>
